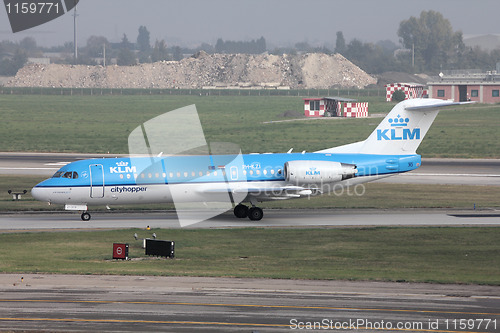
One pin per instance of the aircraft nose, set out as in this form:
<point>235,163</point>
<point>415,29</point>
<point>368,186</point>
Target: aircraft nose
<point>39,193</point>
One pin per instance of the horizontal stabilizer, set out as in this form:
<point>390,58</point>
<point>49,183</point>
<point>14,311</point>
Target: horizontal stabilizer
<point>433,107</point>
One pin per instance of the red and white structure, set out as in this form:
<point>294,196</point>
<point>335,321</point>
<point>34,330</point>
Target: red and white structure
<point>334,107</point>
<point>411,90</point>
<point>314,107</point>
<point>355,110</point>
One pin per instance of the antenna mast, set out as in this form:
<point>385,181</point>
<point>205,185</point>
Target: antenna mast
<point>74,35</point>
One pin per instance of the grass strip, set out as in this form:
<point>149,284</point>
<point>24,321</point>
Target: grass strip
<point>440,255</point>
<point>101,124</point>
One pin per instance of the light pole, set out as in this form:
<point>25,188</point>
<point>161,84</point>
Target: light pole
<point>74,35</point>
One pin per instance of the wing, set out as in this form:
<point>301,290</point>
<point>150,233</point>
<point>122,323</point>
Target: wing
<point>266,192</point>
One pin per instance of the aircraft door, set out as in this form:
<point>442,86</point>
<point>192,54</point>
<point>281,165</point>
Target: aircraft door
<point>96,181</point>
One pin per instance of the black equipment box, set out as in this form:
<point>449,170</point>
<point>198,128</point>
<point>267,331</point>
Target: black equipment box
<point>159,248</point>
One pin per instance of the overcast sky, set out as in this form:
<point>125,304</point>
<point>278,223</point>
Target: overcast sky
<point>281,22</point>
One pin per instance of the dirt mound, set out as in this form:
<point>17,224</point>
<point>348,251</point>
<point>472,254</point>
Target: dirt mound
<point>320,70</point>
<point>314,70</point>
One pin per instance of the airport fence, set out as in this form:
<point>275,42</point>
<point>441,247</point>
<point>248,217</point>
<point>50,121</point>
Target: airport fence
<point>350,92</point>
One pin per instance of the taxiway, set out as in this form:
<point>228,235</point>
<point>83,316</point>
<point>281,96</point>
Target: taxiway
<point>274,218</point>
<point>189,304</point>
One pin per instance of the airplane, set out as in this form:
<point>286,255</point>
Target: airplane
<point>247,178</point>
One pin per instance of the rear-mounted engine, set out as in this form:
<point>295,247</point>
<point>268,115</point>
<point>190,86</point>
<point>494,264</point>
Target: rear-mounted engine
<point>318,172</point>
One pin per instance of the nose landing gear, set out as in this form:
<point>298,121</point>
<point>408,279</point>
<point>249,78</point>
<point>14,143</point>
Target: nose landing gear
<point>85,216</point>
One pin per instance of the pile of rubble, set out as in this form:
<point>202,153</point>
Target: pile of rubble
<point>202,70</point>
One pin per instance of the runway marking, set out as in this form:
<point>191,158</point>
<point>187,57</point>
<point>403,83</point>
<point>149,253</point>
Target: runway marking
<point>449,174</point>
<point>125,321</point>
<point>248,306</point>
<point>172,322</point>
<point>16,168</point>
<point>58,163</point>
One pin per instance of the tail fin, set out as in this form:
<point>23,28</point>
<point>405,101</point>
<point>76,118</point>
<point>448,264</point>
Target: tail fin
<point>402,130</point>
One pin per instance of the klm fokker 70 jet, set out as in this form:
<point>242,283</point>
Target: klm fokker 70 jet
<point>246,178</point>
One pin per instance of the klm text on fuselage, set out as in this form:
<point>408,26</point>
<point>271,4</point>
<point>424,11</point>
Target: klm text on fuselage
<point>398,134</point>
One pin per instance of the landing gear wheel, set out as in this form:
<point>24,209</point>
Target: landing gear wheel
<point>255,214</point>
<point>240,211</point>
<point>85,216</point>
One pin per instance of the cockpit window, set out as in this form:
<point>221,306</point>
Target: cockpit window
<point>66,174</point>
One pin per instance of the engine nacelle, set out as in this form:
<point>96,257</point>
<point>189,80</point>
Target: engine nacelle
<point>317,172</point>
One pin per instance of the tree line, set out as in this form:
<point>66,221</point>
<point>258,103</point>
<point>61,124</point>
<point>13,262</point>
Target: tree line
<point>427,44</point>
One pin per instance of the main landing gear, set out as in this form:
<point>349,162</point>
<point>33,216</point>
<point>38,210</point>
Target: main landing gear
<point>85,216</point>
<point>253,213</point>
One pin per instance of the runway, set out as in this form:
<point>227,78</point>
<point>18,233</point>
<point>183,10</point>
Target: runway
<point>188,304</point>
<point>39,164</point>
<point>300,218</point>
<point>432,171</point>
